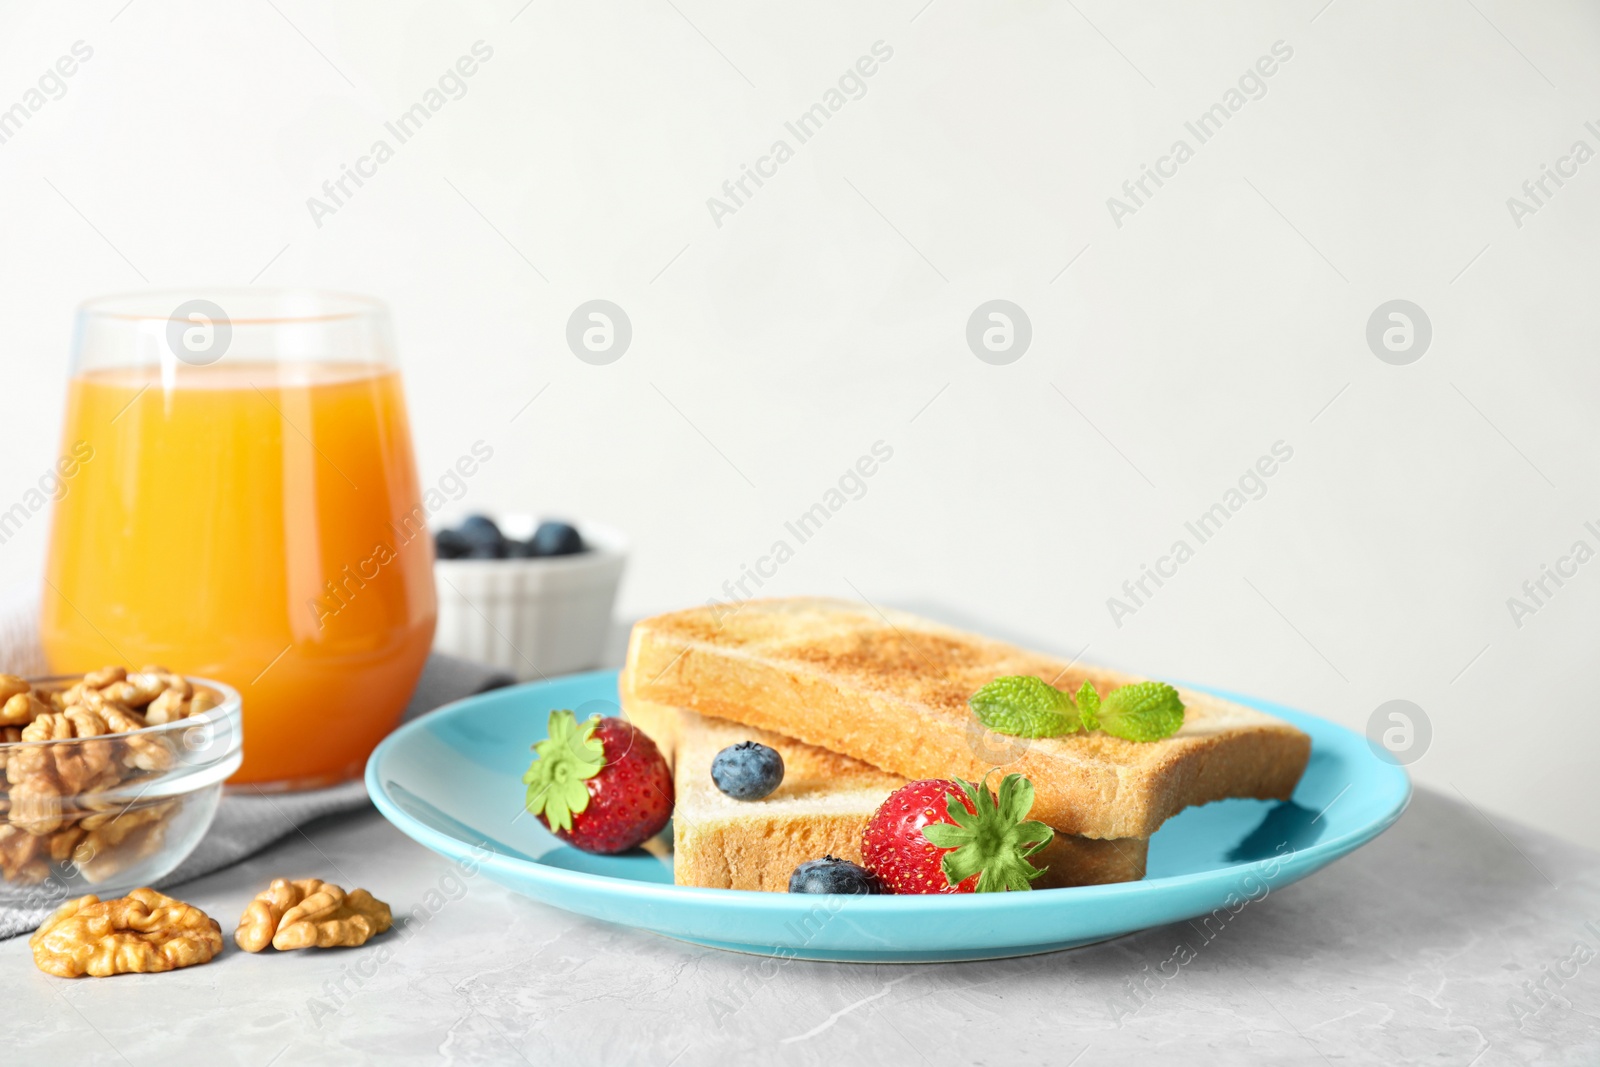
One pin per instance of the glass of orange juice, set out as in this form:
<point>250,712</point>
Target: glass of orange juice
<point>243,504</point>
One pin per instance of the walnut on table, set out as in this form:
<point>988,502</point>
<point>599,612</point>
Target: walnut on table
<point>310,913</point>
<point>144,932</point>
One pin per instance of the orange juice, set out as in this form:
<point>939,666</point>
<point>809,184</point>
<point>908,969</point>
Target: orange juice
<point>258,523</point>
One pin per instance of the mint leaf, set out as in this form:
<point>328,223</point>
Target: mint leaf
<point>1024,706</point>
<point>1089,706</point>
<point>1143,711</point>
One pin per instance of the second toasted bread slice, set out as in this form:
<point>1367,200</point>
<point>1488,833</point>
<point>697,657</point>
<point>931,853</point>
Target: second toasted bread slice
<point>819,810</point>
<point>891,690</point>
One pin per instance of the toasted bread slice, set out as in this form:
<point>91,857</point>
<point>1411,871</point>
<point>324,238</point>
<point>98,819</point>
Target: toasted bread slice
<point>819,810</point>
<point>891,689</point>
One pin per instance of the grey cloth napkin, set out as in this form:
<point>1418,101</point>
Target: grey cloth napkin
<point>248,822</point>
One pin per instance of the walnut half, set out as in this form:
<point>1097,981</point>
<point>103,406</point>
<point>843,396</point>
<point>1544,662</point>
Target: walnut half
<point>144,932</point>
<point>310,913</point>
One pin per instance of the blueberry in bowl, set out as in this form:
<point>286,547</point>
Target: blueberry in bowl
<point>530,595</point>
<point>451,544</point>
<point>555,539</point>
<point>480,537</point>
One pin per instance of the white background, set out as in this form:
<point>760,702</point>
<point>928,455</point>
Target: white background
<point>829,311</point>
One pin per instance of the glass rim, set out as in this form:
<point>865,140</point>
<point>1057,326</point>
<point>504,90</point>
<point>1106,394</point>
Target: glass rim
<point>124,306</point>
<point>229,712</point>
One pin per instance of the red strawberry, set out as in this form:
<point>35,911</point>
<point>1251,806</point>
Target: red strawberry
<point>601,786</point>
<point>939,836</point>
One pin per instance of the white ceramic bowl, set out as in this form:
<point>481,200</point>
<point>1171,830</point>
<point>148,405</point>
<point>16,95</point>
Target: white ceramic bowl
<point>533,618</point>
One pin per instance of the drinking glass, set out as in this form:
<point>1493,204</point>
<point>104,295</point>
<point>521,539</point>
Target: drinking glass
<point>239,501</point>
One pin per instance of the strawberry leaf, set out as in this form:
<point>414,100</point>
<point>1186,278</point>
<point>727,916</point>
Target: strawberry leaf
<point>562,765</point>
<point>943,835</point>
<point>1016,798</point>
<point>994,842</point>
<point>958,812</point>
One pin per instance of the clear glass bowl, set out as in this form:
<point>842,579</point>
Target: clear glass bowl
<point>112,812</point>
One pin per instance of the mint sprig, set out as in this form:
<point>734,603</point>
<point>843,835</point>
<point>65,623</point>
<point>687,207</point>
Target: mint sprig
<point>994,842</point>
<point>562,765</point>
<point>1025,706</point>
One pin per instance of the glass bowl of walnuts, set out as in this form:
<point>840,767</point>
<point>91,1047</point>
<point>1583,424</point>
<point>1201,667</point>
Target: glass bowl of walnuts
<point>108,780</point>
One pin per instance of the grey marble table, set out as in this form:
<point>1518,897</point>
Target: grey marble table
<point>1450,940</point>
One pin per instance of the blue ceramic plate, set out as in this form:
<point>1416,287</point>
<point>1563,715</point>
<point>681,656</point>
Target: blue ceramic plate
<point>452,780</point>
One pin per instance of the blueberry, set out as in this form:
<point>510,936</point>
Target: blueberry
<point>480,529</point>
<point>556,539</point>
<point>449,544</point>
<point>747,771</point>
<point>830,875</point>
